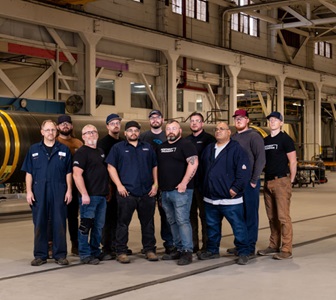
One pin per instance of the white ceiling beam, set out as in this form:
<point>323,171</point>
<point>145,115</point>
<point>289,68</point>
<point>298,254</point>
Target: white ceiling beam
<point>10,85</point>
<point>302,24</point>
<point>285,47</point>
<point>329,5</point>
<point>297,15</point>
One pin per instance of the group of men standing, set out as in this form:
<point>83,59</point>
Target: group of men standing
<point>201,175</point>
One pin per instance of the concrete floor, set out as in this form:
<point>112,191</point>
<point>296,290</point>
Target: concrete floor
<point>309,275</point>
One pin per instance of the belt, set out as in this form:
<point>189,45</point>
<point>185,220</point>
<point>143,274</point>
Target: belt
<point>272,177</point>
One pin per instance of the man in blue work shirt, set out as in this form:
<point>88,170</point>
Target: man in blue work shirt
<point>48,183</point>
<point>132,166</point>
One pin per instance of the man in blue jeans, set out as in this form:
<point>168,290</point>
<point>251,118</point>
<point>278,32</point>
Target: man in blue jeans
<point>91,178</point>
<point>253,144</point>
<point>177,165</point>
<point>226,171</point>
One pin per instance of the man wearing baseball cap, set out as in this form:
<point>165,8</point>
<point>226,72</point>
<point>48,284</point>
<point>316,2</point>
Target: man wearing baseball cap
<point>280,171</point>
<point>253,144</point>
<point>113,126</point>
<point>65,136</point>
<point>136,189</point>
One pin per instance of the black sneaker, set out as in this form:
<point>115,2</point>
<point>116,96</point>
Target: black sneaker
<point>106,256</point>
<point>243,260</point>
<point>90,260</point>
<point>38,262</point>
<point>185,259</point>
<point>207,255</point>
<point>62,261</point>
<point>170,249</point>
<point>172,256</point>
<point>232,251</point>
<point>129,252</point>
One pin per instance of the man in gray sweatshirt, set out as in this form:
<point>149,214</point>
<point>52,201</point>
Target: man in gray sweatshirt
<point>253,144</point>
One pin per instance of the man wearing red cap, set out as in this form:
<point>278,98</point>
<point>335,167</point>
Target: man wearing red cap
<point>253,144</point>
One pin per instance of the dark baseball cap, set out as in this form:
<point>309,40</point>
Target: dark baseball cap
<point>240,112</point>
<point>112,117</point>
<point>64,118</point>
<point>132,124</point>
<point>155,112</point>
<point>275,114</point>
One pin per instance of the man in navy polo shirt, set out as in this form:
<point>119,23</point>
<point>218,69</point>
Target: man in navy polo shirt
<point>132,166</point>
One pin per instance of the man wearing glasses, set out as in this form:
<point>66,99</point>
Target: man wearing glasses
<point>113,126</point>
<point>48,183</point>
<point>200,139</point>
<point>91,178</point>
<point>253,144</point>
<point>226,171</point>
<point>132,166</point>
<point>156,136</point>
<point>65,137</point>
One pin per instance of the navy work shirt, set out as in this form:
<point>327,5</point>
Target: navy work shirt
<point>134,166</point>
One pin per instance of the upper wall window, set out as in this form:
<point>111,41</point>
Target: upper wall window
<point>105,91</point>
<point>196,9</point>
<point>139,96</point>
<point>242,22</point>
<point>323,49</point>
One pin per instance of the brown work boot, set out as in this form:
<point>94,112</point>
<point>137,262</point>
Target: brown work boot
<point>151,256</point>
<point>123,258</point>
<point>282,255</point>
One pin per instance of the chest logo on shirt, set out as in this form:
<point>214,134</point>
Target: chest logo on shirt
<point>244,167</point>
<point>35,155</point>
<point>61,153</point>
<point>271,147</point>
<point>168,150</point>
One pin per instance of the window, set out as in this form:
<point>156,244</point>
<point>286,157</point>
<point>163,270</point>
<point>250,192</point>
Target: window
<point>139,96</point>
<point>244,23</point>
<point>197,9</point>
<point>323,49</point>
<point>179,100</point>
<point>105,92</point>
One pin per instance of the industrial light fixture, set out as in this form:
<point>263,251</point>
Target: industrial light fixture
<point>120,74</point>
<point>240,95</point>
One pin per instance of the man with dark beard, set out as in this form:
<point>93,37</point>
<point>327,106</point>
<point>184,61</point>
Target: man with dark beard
<point>132,166</point>
<point>177,165</point>
<point>200,139</point>
<point>156,136</point>
<point>65,137</point>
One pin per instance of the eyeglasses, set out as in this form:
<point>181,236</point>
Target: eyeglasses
<point>114,123</point>
<point>238,119</point>
<point>50,130</point>
<point>196,121</point>
<point>64,124</point>
<point>133,130</point>
<point>91,132</point>
<point>155,118</point>
<point>220,129</point>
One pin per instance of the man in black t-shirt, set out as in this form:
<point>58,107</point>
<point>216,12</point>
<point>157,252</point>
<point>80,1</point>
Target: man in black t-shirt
<point>280,171</point>
<point>200,139</point>
<point>177,165</point>
<point>91,178</point>
<point>156,136</point>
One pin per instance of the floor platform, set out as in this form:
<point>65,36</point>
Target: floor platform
<point>309,275</point>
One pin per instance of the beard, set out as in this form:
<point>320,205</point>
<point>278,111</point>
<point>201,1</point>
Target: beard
<point>66,133</point>
<point>92,142</point>
<point>173,137</point>
<point>132,138</point>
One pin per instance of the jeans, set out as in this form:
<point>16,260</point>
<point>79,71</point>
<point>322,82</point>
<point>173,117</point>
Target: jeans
<point>177,207</point>
<point>251,214</point>
<point>145,206</point>
<point>277,195</point>
<point>110,227</point>
<point>197,209</point>
<point>92,222</point>
<point>165,232</point>
<point>235,215</point>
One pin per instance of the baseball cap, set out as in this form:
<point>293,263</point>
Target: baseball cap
<point>275,114</point>
<point>64,118</point>
<point>155,112</point>
<point>112,117</point>
<point>132,124</point>
<point>240,112</point>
